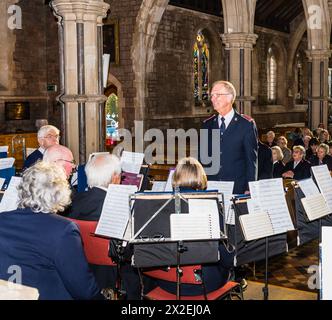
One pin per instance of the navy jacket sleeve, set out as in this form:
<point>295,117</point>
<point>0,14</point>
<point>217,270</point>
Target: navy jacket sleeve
<point>251,149</point>
<point>73,267</point>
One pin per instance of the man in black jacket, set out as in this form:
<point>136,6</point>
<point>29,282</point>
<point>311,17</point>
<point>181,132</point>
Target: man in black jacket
<point>298,168</point>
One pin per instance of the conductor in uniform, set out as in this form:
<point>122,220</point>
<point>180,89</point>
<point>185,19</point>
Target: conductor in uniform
<point>238,140</point>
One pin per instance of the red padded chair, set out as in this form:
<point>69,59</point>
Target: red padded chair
<point>95,248</point>
<point>190,275</point>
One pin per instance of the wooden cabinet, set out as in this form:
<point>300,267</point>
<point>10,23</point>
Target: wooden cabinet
<point>8,139</point>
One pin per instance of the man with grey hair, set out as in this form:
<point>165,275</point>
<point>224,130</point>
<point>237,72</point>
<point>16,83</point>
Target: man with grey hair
<point>101,170</point>
<point>47,136</point>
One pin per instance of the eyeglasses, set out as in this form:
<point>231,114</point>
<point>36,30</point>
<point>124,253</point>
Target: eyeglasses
<point>217,95</point>
<point>73,162</point>
<point>52,136</point>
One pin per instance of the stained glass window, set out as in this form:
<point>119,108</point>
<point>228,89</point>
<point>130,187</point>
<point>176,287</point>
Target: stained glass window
<point>201,57</point>
<point>271,76</point>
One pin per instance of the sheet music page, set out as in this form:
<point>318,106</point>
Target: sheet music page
<point>256,226</point>
<point>315,206</point>
<point>324,182</point>
<point>132,161</point>
<point>115,213</point>
<point>208,207</point>
<point>308,187</point>
<point>6,163</point>
<point>192,227</point>
<point>10,198</point>
<point>158,186</point>
<point>326,264</point>
<point>168,187</point>
<point>270,195</point>
<point>4,149</point>
<point>254,206</point>
<point>226,187</point>
<point>2,181</point>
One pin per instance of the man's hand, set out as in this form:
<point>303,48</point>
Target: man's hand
<point>288,174</point>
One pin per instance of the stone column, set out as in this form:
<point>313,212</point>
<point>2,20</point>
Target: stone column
<point>318,87</point>
<point>81,22</point>
<point>239,64</point>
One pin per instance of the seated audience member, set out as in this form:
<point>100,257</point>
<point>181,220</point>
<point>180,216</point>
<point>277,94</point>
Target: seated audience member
<point>47,136</point>
<point>306,141</point>
<point>322,157</point>
<point>62,156</point>
<point>312,150</point>
<point>298,168</point>
<point>278,165</point>
<point>189,175</point>
<point>324,136</point>
<point>101,171</point>
<point>330,147</point>
<point>282,143</point>
<point>300,140</point>
<point>264,161</point>
<point>270,136</point>
<point>46,247</point>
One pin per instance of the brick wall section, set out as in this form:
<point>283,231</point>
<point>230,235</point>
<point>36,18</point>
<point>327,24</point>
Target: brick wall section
<point>125,11</point>
<point>36,63</point>
<point>170,85</point>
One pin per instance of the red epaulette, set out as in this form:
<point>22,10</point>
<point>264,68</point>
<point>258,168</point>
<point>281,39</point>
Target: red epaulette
<point>210,118</point>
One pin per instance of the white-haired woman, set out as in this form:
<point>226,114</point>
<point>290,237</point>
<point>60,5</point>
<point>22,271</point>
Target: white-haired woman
<point>46,248</point>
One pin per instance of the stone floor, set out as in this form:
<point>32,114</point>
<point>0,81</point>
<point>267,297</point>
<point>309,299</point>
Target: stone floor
<point>288,270</point>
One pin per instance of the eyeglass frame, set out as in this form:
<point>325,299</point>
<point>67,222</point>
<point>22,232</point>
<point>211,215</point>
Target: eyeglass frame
<point>217,95</point>
<point>52,136</point>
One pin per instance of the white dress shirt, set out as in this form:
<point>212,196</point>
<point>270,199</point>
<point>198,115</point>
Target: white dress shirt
<point>228,118</point>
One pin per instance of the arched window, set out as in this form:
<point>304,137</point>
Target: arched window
<point>271,76</point>
<point>201,69</point>
<point>112,116</point>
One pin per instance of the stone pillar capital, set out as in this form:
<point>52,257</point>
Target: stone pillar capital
<point>81,10</point>
<point>320,54</point>
<point>239,40</point>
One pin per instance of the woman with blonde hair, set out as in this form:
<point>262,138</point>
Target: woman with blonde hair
<point>278,165</point>
<point>189,175</point>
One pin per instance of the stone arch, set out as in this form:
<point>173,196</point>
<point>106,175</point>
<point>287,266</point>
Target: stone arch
<point>112,80</point>
<point>279,49</point>
<point>142,53</point>
<point>319,29</point>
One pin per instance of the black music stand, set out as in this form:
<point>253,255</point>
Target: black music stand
<point>181,245</point>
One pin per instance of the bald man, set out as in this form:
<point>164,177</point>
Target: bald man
<point>62,156</point>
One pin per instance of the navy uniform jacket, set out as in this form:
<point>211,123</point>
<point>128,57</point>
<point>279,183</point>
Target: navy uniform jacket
<point>32,159</point>
<point>87,205</point>
<point>238,151</point>
<point>265,164</point>
<point>48,249</point>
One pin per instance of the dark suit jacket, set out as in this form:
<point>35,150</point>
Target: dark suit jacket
<point>302,170</point>
<point>298,142</point>
<point>264,161</point>
<point>237,160</point>
<point>49,250</point>
<point>87,205</point>
<point>32,159</point>
<point>278,169</point>
<point>327,160</point>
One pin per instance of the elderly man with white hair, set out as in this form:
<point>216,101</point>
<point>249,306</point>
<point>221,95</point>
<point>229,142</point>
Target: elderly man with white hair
<point>47,136</point>
<point>101,170</point>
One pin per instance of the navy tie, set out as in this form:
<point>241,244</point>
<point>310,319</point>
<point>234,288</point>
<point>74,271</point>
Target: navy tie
<point>222,126</point>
